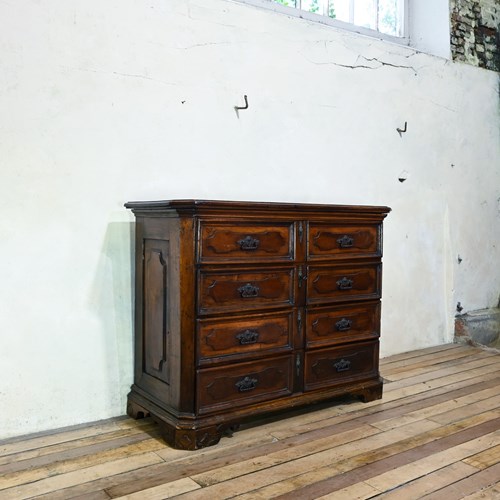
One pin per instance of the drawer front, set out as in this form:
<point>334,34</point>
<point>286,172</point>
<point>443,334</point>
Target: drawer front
<point>339,325</point>
<point>327,367</point>
<point>243,383</point>
<point>244,336</point>
<point>240,241</point>
<point>340,241</point>
<point>241,290</point>
<point>327,284</point>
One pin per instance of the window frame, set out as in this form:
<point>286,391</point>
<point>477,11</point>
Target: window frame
<point>335,23</point>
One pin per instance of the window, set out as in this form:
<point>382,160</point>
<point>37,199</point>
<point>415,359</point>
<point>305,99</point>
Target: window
<point>384,16</point>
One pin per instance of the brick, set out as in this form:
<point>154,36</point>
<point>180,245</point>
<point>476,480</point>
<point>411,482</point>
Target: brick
<point>475,32</point>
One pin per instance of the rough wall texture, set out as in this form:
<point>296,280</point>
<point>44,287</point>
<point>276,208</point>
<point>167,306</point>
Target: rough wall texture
<point>475,32</point>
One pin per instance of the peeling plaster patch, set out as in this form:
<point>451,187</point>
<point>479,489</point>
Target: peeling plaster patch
<point>475,34</point>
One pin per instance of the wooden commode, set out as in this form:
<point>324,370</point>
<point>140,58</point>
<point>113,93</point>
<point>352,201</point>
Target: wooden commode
<point>244,308</point>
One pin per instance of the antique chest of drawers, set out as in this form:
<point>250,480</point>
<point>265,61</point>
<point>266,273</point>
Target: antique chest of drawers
<point>244,308</point>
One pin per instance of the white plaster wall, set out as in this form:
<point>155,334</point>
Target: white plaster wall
<point>106,102</point>
<point>429,26</point>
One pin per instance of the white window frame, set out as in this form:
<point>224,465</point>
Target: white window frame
<point>324,19</point>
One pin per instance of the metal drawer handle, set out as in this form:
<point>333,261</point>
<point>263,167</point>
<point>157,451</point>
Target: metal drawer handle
<point>343,365</point>
<point>346,241</point>
<point>246,384</point>
<point>248,291</point>
<point>345,284</point>
<point>343,325</point>
<point>249,243</point>
<point>248,337</point>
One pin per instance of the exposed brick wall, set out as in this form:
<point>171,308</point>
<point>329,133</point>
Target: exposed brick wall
<point>475,32</point>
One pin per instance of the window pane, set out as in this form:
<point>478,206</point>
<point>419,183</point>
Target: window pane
<point>331,9</point>
<point>388,17</point>
<point>365,13</point>
<point>287,3</point>
<point>315,6</point>
<point>341,10</point>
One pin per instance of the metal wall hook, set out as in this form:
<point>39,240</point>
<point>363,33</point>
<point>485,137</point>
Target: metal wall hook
<point>242,107</point>
<point>401,131</point>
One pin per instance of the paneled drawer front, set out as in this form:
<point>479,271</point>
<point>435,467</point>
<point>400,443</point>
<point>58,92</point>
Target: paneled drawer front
<point>240,241</point>
<point>326,284</point>
<point>244,336</point>
<point>339,241</point>
<point>326,367</point>
<point>339,325</point>
<point>242,290</point>
<point>243,383</point>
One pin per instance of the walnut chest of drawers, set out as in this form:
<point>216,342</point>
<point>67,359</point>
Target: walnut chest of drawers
<point>245,308</point>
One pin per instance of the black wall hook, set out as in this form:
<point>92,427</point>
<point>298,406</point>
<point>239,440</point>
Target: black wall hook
<point>242,107</point>
<point>401,131</point>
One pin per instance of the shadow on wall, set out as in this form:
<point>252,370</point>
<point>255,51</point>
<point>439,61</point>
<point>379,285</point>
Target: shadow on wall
<point>113,304</point>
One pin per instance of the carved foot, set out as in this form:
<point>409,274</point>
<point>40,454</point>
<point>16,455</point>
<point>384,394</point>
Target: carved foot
<point>194,439</point>
<point>136,411</point>
<point>231,430</point>
<point>371,394</point>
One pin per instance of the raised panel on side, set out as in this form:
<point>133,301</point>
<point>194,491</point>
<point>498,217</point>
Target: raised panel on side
<point>155,320</point>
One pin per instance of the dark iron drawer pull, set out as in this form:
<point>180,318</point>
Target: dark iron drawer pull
<point>248,337</point>
<point>343,325</point>
<point>248,291</point>
<point>249,243</point>
<point>343,365</point>
<point>345,241</point>
<point>246,384</point>
<point>345,283</point>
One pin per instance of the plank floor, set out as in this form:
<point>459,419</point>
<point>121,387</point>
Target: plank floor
<point>434,435</point>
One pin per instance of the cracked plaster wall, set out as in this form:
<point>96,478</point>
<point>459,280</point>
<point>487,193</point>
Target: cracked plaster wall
<point>106,102</point>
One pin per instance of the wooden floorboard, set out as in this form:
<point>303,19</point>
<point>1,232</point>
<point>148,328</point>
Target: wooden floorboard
<point>435,434</point>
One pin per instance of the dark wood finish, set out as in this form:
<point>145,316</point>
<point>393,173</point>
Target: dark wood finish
<point>240,290</point>
<point>335,241</point>
<point>233,243</point>
<point>248,308</point>
<point>229,339</point>
<point>340,365</point>
<point>341,324</point>
<point>327,284</point>
<point>244,383</point>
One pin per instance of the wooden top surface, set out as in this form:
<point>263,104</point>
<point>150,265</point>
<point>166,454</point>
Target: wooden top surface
<point>248,207</point>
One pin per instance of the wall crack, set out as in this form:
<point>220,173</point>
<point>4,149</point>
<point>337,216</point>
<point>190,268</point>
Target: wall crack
<point>379,64</point>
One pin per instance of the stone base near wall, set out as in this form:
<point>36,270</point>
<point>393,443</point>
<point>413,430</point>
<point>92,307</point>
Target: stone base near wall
<point>480,327</point>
